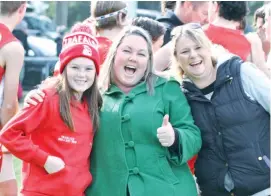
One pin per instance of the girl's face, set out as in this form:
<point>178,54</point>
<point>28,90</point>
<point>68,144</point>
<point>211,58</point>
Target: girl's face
<point>131,61</point>
<point>81,73</point>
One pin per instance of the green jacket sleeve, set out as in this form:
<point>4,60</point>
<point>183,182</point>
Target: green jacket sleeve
<point>180,117</point>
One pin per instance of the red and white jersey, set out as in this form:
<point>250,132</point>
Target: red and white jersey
<point>6,37</point>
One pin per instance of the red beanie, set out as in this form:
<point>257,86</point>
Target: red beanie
<point>79,44</point>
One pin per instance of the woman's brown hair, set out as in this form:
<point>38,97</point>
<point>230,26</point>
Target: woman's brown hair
<point>108,13</point>
<point>92,96</point>
<point>10,7</point>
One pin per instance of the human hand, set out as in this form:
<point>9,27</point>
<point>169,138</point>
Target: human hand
<point>32,95</point>
<point>261,34</point>
<point>53,164</point>
<point>165,133</point>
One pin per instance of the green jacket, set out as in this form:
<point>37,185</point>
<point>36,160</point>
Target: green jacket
<point>127,152</point>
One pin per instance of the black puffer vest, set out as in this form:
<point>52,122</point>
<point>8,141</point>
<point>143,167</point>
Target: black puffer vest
<point>235,135</point>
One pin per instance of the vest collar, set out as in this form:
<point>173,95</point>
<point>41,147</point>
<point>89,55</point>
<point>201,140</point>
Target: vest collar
<point>223,76</point>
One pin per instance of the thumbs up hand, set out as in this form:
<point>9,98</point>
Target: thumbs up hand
<point>165,133</point>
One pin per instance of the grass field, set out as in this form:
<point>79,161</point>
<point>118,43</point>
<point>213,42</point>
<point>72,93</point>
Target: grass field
<point>18,170</point>
<point>17,162</point>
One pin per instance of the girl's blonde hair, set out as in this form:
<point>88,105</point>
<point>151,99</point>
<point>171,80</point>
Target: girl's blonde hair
<point>196,34</point>
<point>106,76</point>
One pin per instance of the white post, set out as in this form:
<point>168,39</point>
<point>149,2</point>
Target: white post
<point>132,7</point>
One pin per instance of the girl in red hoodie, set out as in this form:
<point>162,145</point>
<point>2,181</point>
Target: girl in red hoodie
<point>54,138</point>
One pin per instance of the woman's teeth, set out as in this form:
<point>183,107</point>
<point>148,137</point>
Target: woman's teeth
<point>129,69</point>
<point>196,63</point>
<point>80,81</point>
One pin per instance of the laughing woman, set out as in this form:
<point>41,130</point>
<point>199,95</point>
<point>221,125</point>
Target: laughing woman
<point>147,133</point>
<point>54,138</point>
<point>230,102</point>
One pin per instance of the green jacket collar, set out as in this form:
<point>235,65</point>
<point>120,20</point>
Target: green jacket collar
<point>140,88</point>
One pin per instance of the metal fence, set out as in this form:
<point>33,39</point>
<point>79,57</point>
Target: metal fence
<point>36,69</point>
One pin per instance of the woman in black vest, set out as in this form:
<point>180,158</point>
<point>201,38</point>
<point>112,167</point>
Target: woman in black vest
<point>230,102</point>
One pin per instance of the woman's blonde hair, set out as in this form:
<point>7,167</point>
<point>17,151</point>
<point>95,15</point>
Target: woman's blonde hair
<point>106,77</point>
<point>196,34</point>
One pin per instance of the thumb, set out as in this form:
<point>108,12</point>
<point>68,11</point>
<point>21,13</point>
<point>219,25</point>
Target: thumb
<point>165,120</point>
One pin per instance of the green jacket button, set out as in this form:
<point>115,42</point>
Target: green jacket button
<point>131,144</point>
<point>125,118</point>
<point>135,170</point>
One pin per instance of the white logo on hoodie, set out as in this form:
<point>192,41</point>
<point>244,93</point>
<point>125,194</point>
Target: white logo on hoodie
<point>67,139</point>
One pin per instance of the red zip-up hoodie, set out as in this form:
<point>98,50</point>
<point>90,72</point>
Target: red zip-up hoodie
<point>37,132</point>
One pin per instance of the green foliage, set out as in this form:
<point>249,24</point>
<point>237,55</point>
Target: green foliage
<point>78,11</point>
<point>50,12</point>
<point>18,171</point>
<point>254,5</point>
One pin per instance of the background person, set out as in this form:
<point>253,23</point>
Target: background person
<point>11,14</point>
<point>154,28</point>
<point>227,16</point>
<point>184,12</point>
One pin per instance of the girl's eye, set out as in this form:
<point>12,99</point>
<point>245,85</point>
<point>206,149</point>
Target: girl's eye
<point>126,51</point>
<point>89,69</point>
<point>74,67</point>
<point>184,52</point>
<point>197,48</point>
<point>141,54</point>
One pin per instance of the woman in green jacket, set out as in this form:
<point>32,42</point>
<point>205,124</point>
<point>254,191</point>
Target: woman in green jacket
<point>147,133</point>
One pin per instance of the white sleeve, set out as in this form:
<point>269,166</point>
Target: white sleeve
<point>256,84</point>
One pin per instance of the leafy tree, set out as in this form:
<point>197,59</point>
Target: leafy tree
<point>78,11</point>
<point>254,5</point>
<point>50,12</point>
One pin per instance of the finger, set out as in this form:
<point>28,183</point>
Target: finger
<point>165,120</point>
<point>41,93</point>
<point>37,97</point>
<point>162,135</point>
<point>161,130</point>
<point>161,140</point>
<point>31,102</point>
<point>26,105</point>
<point>63,166</point>
<point>165,144</point>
